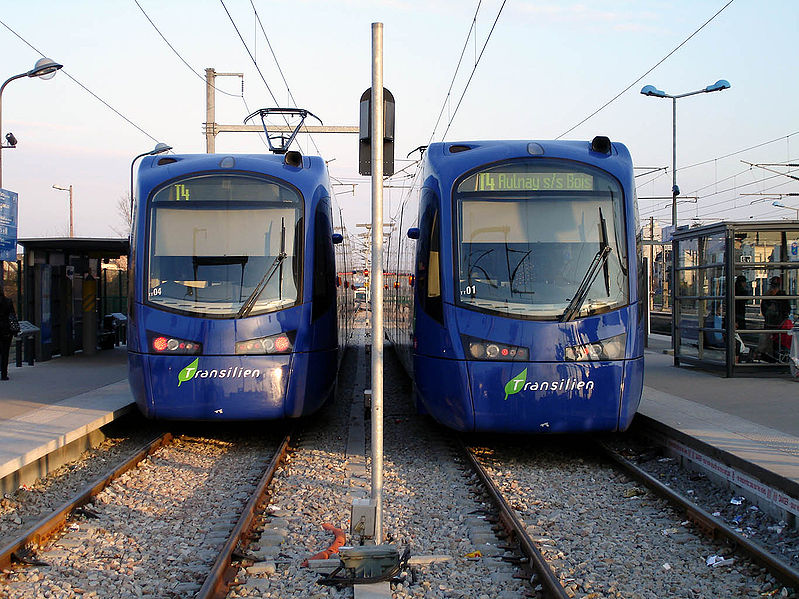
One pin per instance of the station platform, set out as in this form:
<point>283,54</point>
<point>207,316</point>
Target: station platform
<point>53,411</point>
<point>57,405</point>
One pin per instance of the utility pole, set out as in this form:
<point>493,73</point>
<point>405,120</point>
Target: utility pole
<point>211,128</point>
<point>377,135</point>
<point>210,106</point>
<point>69,189</point>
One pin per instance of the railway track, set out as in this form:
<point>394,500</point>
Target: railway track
<point>166,523</point>
<point>593,530</point>
<point>562,509</point>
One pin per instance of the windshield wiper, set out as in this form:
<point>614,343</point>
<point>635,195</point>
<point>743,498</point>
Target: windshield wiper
<point>516,270</point>
<point>249,303</point>
<point>600,260</point>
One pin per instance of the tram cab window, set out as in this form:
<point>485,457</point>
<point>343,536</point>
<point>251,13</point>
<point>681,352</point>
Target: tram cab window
<point>324,275</point>
<point>220,243</point>
<point>428,256</point>
<point>528,232</point>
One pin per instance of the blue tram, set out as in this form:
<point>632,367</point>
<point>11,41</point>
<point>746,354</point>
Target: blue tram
<point>514,297</point>
<point>236,310</point>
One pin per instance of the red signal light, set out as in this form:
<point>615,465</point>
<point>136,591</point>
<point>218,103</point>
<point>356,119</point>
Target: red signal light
<point>160,343</point>
<point>282,343</point>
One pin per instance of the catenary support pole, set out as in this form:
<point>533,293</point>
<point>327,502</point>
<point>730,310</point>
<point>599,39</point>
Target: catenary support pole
<point>377,277</point>
<point>210,110</point>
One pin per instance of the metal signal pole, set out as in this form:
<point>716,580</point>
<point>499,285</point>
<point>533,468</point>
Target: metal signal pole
<point>377,135</point>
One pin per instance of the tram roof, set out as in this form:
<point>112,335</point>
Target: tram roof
<point>467,154</point>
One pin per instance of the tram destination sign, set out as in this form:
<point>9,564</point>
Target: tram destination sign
<point>510,181</point>
<point>8,225</point>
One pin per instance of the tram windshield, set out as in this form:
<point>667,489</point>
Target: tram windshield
<point>222,246</point>
<point>541,239</point>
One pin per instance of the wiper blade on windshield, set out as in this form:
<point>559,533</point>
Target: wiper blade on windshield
<point>249,303</point>
<point>600,260</point>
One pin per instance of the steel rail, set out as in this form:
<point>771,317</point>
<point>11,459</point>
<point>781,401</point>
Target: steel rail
<point>52,523</point>
<point>511,520</point>
<point>707,522</point>
<point>223,572</point>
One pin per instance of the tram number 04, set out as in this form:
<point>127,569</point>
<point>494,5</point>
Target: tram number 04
<point>155,291</point>
<point>469,290</point>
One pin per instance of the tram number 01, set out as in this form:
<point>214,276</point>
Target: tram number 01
<point>469,290</point>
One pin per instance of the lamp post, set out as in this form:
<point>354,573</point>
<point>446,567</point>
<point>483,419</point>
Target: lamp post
<point>44,69</point>
<point>69,189</point>
<point>781,205</point>
<point>159,148</point>
<point>651,90</point>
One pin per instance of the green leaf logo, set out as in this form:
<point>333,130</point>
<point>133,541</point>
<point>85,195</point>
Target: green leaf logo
<point>188,373</point>
<point>516,384</point>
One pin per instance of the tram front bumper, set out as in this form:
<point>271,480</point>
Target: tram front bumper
<point>213,387</point>
<point>546,397</point>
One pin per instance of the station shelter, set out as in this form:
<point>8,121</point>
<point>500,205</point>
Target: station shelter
<point>737,296</point>
<point>74,290</point>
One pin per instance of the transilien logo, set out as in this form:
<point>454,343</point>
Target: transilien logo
<point>188,372</point>
<point>516,384</point>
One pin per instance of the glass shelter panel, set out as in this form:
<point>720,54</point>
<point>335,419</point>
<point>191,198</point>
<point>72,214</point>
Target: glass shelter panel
<point>688,253</point>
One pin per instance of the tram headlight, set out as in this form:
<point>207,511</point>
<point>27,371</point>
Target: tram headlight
<point>167,344</point>
<point>606,349</point>
<point>481,349</point>
<point>282,343</point>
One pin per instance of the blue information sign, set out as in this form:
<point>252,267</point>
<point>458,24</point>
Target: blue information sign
<point>8,225</point>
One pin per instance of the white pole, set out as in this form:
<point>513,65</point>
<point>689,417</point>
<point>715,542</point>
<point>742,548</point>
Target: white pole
<point>377,277</point>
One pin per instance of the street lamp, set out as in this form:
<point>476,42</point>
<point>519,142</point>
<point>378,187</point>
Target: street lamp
<point>651,90</point>
<point>44,69</point>
<point>781,205</point>
<point>69,189</point>
<point>159,148</point>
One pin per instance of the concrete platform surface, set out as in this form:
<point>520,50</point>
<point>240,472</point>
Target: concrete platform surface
<point>754,419</point>
<point>52,411</point>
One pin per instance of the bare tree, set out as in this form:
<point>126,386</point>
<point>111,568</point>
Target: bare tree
<point>124,214</point>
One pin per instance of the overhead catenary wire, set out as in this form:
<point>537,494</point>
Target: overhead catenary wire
<point>455,74</point>
<point>86,89</point>
<point>476,62</point>
<point>171,47</point>
<point>280,70</point>
<point>252,58</point>
<point>472,26</point>
<point>653,210</point>
<point>193,70</point>
<point>661,61</point>
<point>705,207</point>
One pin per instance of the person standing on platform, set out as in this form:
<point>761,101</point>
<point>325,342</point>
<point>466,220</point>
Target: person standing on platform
<point>775,312</point>
<point>6,332</point>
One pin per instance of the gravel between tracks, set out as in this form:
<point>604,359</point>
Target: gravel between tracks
<point>610,538</point>
<point>29,503</point>
<point>159,526</point>
<point>427,505</point>
<point>776,536</point>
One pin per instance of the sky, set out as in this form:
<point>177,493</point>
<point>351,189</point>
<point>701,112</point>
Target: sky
<point>541,70</point>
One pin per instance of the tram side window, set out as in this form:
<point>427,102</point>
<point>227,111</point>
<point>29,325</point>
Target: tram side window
<point>324,272</point>
<point>428,252</point>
